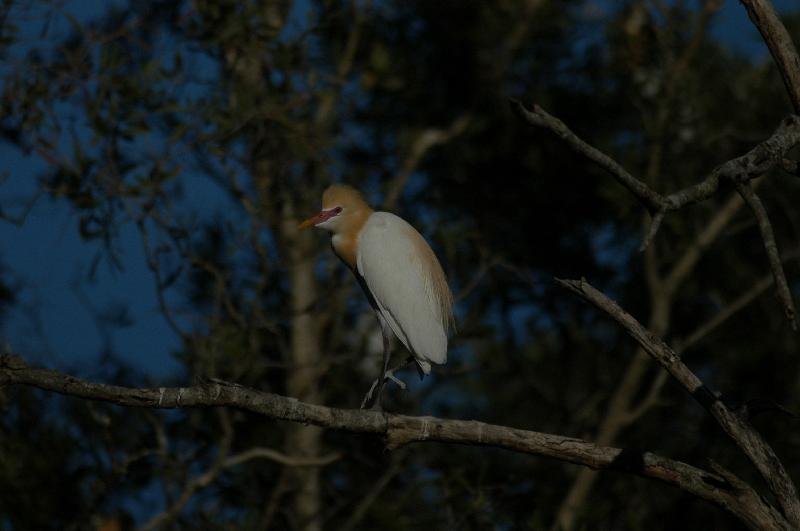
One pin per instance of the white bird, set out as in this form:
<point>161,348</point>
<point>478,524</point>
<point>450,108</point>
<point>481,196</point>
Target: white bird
<point>399,273</point>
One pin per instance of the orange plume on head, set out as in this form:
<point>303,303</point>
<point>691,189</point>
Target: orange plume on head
<point>344,196</point>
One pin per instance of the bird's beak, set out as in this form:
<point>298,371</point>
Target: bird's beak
<point>316,219</point>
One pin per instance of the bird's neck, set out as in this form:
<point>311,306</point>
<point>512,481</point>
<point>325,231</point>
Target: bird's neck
<point>345,240</point>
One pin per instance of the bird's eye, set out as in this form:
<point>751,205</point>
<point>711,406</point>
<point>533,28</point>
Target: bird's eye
<point>337,210</point>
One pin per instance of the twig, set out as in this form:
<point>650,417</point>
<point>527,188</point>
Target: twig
<point>749,441</point>
<point>273,504</point>
<point>424,142</point>
<point>651,199</point>
<point>280,457</point>
<point>771,247</point>
<point>724,314</point>
<point>474,282</point>
<point>374,492</point>
<point>655,224</point>
<point>198,482</point>
<point>694,252</point>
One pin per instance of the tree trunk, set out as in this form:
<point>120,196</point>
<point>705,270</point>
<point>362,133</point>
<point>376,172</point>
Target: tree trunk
<point>302,379</point>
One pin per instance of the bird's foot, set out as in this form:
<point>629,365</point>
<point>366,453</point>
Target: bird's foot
<point>400,383</point>
<point>219,381</point>
<point>368,398</point>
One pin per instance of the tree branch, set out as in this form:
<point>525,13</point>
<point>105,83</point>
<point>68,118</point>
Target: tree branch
<point>756,162</point>
<point>749,441</point>
<point>711,230</point>
<point>197,482</point>
<point>724,314</point>
<point>737,498</point>
<point>280,458</point>
<point>739,171</point>
<point>780,45</point>
<point>652,200</point>
<point>425,140</point>
<point>771,247</point>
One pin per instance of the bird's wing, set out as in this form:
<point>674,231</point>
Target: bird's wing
<point>408,285</point>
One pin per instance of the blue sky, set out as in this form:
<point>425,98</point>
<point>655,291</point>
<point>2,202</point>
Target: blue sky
<point>46,260</point>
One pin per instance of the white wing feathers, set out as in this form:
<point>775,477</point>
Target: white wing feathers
<point>408,285</point>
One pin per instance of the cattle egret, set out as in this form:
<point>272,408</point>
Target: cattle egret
<point>399,274</point>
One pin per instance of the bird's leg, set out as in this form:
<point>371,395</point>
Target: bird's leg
<point>389,374</point>
<point>378,384</point>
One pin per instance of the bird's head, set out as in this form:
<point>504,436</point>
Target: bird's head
<point>342,207</point>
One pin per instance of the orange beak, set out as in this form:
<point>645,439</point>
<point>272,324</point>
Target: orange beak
<point>316,219</point>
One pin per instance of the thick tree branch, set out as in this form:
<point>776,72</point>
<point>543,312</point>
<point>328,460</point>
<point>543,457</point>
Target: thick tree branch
<point>734,496</point>
<point>780,44</point>
<point>749,441</point>
<point>755,163</point>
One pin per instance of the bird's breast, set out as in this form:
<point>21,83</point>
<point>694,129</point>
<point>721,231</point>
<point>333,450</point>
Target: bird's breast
<point>346,248</point>
<point>345,241</point>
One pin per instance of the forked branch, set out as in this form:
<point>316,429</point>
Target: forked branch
<point>757,450</point>
<point>738,171</point>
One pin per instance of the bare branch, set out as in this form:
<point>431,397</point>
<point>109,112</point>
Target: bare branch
<point>780,45</point>
<point>711,230</point>
<point>725,313</point>
<point>739,430</point>
<point>651,199</point>
<point>739,171</point>
<point>731,309</point>
<point>197,482</point>
<point>374,493</point>
<point>755,163</point>
<point>655,224</point>
<point>768,236</point>
<point>280,457</point>
<point>654,392</point>
<point>424,142</point>
<point>738,499</point>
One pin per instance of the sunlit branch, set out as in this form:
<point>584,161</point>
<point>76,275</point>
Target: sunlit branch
<point>721,489</point>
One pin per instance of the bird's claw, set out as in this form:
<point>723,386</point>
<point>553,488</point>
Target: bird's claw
<point>388,376</point>
<point>368,396</point>
<point>400,383</point>
<point>218,381</point>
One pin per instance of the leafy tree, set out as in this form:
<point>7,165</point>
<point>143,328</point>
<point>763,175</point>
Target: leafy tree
<point>142,109</point>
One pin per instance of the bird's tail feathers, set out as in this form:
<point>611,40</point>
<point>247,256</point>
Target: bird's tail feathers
<point>423,367</point>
